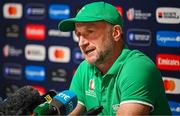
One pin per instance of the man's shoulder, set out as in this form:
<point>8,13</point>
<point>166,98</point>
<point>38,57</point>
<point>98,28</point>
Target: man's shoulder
<point>137,57</point>
<point>139,65</point>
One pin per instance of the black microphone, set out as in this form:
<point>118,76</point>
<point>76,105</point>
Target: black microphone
<point>22,102</point>
<point>46,99</point>
<point>48,96</point>
<point>94,111</point>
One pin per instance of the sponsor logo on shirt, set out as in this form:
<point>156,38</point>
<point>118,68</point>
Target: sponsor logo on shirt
<point>175,107</point>
<point>134,14</point>
<point>91,84</point>
<point>139,37</point>
<point>58,33</point>
<point>115,107</point>
<point>12,51</point>
<point>171,85</point>
<point>59,54</point>
<point>35,52</point>
<point>168,38</point>
<point>35,73</point>
<point>77,56</point>
<point>12,10</point>
<point>35,11</point>
<point>35,31</point>
<point>12,31</point>
<point>58,12</point>
<point>168,15</point>
<point>58,75</point>
<point>12,71</point>
<point>91,92</point>
<point>168,62</point>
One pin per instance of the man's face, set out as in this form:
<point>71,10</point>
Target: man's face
<point>95,41</point>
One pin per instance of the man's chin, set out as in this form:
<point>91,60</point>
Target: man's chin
<point>91,61</point>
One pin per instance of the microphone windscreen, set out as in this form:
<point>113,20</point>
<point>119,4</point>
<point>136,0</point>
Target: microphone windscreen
<point>22,102</point>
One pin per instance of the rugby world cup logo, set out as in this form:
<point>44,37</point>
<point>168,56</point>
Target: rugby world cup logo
<point>92,84</point>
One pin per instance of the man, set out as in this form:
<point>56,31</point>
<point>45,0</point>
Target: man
<point>124,82</point>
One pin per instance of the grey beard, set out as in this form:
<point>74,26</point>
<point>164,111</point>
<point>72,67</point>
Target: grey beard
<point>103,57</point>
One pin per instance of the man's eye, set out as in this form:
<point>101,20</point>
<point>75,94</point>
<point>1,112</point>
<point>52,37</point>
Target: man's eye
<point>90,31</point>
<point>77,34</point>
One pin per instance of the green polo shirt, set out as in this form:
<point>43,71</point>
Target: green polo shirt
<point>133,78</point>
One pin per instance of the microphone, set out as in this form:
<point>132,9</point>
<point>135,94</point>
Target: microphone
<point>22,102</point>
<point>63,103</point>
<point>94,111</point>
<point>48,96</point>
<point>42,108</point>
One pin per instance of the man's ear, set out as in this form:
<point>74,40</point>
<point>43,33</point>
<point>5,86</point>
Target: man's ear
<point>117,32</point>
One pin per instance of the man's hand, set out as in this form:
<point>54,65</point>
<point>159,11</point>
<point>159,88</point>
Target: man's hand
<point>79,110</point>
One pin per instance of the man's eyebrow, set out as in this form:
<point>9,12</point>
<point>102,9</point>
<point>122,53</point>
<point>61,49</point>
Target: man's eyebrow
<point>90,26</point>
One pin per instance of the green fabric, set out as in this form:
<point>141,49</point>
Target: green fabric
<point>133,77</point>
<point>96,11</point>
